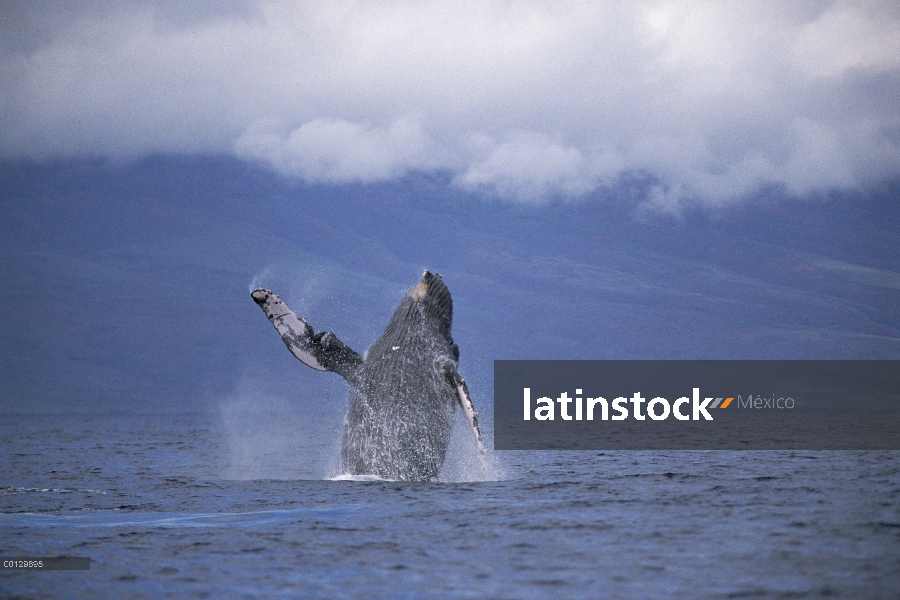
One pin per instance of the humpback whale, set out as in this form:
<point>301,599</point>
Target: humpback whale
<point>403,391</point>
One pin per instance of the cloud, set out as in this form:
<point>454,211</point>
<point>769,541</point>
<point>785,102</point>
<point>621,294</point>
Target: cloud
<point>530,166</point>
<point>714,100</point>
<point>334,150</point>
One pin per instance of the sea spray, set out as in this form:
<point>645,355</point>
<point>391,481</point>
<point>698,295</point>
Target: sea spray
<point>270,435</point>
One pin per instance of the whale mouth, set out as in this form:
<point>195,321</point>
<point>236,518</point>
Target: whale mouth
<point>432,289</point>
<point>421,289</point>
<point>429,278</point>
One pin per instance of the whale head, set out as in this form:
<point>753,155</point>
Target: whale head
<point>431,299</point>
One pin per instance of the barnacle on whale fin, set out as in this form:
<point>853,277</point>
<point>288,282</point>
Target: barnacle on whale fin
<point>419,290</point>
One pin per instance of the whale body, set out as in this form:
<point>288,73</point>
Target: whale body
<point>403,394</point>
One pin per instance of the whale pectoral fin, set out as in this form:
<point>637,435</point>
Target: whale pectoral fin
<point>322,351</point>
<point>465,401</point>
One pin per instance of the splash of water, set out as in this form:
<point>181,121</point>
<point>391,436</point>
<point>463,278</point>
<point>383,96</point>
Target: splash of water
<point>270,436</point>
<point>259,279</point>
<point>305,292</point>
<point>465,464</point>
<point>349,477</point>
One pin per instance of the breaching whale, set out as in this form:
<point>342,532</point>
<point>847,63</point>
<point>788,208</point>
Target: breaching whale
<point>403,392</point>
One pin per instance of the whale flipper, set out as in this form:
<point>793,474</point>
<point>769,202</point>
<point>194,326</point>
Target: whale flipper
<point>465,402</point>
<point>322,351</point>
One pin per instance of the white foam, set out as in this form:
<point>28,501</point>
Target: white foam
<point>349,477</point>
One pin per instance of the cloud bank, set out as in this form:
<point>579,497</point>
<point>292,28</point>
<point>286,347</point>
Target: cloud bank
<point>714,101</point>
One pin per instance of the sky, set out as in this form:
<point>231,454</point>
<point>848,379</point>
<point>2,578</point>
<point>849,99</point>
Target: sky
<point>715,102</point>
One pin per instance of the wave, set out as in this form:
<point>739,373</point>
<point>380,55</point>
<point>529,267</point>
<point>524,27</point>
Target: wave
<point>24,490</point>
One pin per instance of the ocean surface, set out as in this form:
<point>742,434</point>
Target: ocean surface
<point>192,506</point>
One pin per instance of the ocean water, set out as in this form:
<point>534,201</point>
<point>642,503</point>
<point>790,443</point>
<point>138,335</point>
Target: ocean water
<point>191,506</point>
